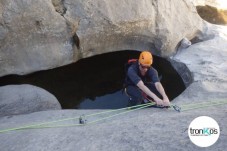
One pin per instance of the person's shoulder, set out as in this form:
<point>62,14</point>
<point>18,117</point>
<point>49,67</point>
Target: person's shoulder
<point>152,69</point>
<point>133,68</point>
<point>134,65</point>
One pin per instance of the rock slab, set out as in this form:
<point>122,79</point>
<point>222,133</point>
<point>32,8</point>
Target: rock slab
<point>24,99</point>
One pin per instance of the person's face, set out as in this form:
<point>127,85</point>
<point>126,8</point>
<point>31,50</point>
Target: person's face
<point>143,68</point>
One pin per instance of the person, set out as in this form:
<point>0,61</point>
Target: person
<point>142,82</point>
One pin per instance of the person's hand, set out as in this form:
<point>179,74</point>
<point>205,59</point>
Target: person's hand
<point>166,102</point>
<point>159,102</point>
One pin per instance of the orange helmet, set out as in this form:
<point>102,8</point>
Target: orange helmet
<point>146,58</point>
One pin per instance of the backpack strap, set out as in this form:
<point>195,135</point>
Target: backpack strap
<point>127,65</point>
<point>130,61</point>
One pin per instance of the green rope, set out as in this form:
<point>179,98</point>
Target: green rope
<point>150,104</point>
<point>201,103</point>
<point>67,119</point>
<point>184,107</point>
<point>92,122</point>
<point>35,125</point>
<point>203,106</point>
<point>191,106</point>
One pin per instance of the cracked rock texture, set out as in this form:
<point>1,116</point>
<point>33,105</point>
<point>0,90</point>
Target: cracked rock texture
<point>33,37</point>
<point>40,35</point>
<point>146,129</point>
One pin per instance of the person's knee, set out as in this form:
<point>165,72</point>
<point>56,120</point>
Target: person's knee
<point>133,92</point>
<point>132,102</point>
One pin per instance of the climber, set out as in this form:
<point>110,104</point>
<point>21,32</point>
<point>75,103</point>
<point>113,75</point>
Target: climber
<point>142,82</point>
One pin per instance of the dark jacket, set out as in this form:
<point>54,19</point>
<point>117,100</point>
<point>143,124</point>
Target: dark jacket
<point>133,75</point>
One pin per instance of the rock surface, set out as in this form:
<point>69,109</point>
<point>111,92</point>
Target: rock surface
<point>208,62</point>
<point>24,99</point>
<point>147,129</point>
<point>39,35</point>
<point>33,37</point>
<point>220,4</point>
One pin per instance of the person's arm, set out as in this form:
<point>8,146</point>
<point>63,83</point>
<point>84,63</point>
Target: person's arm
<point>146,90</point>
<point>161,90</point>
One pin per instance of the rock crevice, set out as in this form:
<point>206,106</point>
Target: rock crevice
<point>38,38</point>
<point>59,6</point>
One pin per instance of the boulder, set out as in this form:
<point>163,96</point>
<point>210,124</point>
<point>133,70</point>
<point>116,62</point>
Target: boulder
<point>40,35</point>
<point>207,58</point>
<point>33,37</point>
<point>145,129</point>
<point>23,99</point>
<point>105,26</point>
<point>207,61</point>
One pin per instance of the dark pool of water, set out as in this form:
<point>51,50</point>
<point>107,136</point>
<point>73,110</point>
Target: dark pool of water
<point>95,82</point>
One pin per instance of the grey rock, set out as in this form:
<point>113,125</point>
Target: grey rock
<point>40,35</point>
<point>33,37</point>
<point>183,71</point>
<point>104,25</point>
<point>59,6</point>
<point>23,99</point>
<point>146,129</point>
<point>185,43</point>
<point>207,62</point>
<point>213,3</point>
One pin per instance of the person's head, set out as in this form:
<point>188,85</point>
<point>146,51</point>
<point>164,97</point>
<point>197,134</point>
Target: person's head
<point>145,60</point>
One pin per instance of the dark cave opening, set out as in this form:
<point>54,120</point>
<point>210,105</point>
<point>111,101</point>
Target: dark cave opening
<point>96,82</point>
